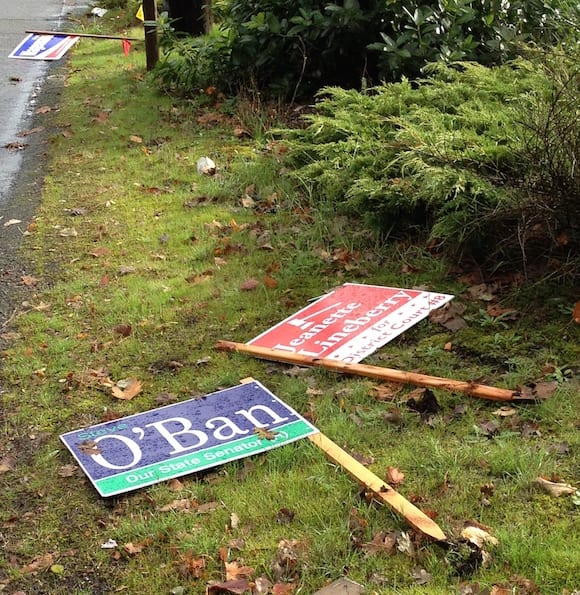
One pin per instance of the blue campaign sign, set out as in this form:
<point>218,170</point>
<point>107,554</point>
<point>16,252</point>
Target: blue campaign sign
<point>146,448</point>
<point>43,47</point>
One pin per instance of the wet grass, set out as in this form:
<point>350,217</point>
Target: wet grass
<point>139,266</point>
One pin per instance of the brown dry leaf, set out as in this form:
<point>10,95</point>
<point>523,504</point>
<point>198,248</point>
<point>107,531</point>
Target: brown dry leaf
<point>128,389</point>
<point>265,434</point>
<point>191,566</point>
<point>7,464</point>
<point>29,280</point>
<point>41,562</point>
<point>394,476</point>
<point>382,542</point>
<point>44,109</point>
<point>89,447</point>
<point>496,310</point>
<point>449,316</point>
<point>484,291</point>
<point>207,507</point>
<point>99,252</point>
<point>67,470</point>
<point>478,534</point>
<point>283,589</point>
<point>539,390</point>
<point>235,571</point>
<point>235,587</point>
<point>123,329</point>
<point>384,392</point>
<point>576,313</point>
<point>555,489</point>
<point>175,485</point>
<point>136,548</point>
<point>270,282</point>
<point>505,411</point>
<point>102,117</point>
<point>135,139</point>
<point>181,505</point>
<point>249,285</point>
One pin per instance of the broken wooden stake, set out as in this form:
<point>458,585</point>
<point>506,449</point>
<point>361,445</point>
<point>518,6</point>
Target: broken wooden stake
<point>470,388</point>
<point>381,490</point>
<point>89,35</point>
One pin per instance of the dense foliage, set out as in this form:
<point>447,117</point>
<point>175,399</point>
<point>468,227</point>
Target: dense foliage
<point>294,48</point>
<point>484,159</point>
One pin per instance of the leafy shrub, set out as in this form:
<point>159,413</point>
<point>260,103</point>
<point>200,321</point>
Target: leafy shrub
<point>295,48</point>
<point>445,156</point>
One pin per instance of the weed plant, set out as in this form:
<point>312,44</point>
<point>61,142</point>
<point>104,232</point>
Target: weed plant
<point>136,266</point>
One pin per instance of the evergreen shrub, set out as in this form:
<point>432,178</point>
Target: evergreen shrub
<point>462,155</point>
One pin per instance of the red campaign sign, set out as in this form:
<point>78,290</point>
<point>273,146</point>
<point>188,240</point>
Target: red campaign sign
<point>351,322</point>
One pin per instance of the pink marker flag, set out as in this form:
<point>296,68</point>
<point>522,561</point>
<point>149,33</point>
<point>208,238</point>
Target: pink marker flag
<point>126,46</point>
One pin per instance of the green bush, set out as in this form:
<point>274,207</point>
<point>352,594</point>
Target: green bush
<point>294,48</point>
<point>449,155</point>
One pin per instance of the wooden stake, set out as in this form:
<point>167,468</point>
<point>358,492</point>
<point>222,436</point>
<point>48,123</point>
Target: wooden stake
<point>415,517</point>
<point>91,35</point>
<point>470,388</point>
<point>382,491</point>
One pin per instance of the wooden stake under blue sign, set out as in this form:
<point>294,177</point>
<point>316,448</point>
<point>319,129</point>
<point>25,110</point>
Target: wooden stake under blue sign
<point>147,448</point>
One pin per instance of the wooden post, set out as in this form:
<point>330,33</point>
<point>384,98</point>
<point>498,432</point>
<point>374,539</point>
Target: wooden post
<point>470,388</point>
<point>150,27</point>
<point>381,490</point>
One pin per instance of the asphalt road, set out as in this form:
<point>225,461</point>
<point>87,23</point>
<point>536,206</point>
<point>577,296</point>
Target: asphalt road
<point>25,85</point>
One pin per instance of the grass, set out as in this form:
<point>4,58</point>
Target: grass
<point>128,234</point>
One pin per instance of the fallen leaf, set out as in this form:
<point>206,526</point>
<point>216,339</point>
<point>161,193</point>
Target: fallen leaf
<point>29,280</point>
<point>284,516</point>
<point>555,489</point>
<point>421,576</point>
<point>7,464</point>
<point>135,139</point>
<point>100,251</point>
<point>576,313</point>
<point>207,507</point>
<point>270,282</point>
<point>89,447</point>
<point>235,571</point>
<point>235,587</point>
<point>175,485</point>
<point>68,232</point>
<point>128,389</point>
<point>449,316</point>
<point>12,222</point>
<point>265,434</point>
<point>181,505</point>
<point>67,470</point>
<point>191,566</point>
<point>505,411</point>
<point>137,548</point>
<point>381,542</point>
<point>394,476</point>
<point>123,329</point>
<point>283,588</point>
<point>478,534</point>
<point>41,562</point>
<point>249,285</point>
<point>385,392</point>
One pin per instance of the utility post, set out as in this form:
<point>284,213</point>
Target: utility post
<point>150,27</point>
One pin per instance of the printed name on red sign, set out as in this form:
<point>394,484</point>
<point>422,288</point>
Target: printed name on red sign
<point>351,322</point>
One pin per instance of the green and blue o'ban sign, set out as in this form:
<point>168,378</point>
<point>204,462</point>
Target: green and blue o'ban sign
<point>183,438</point>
